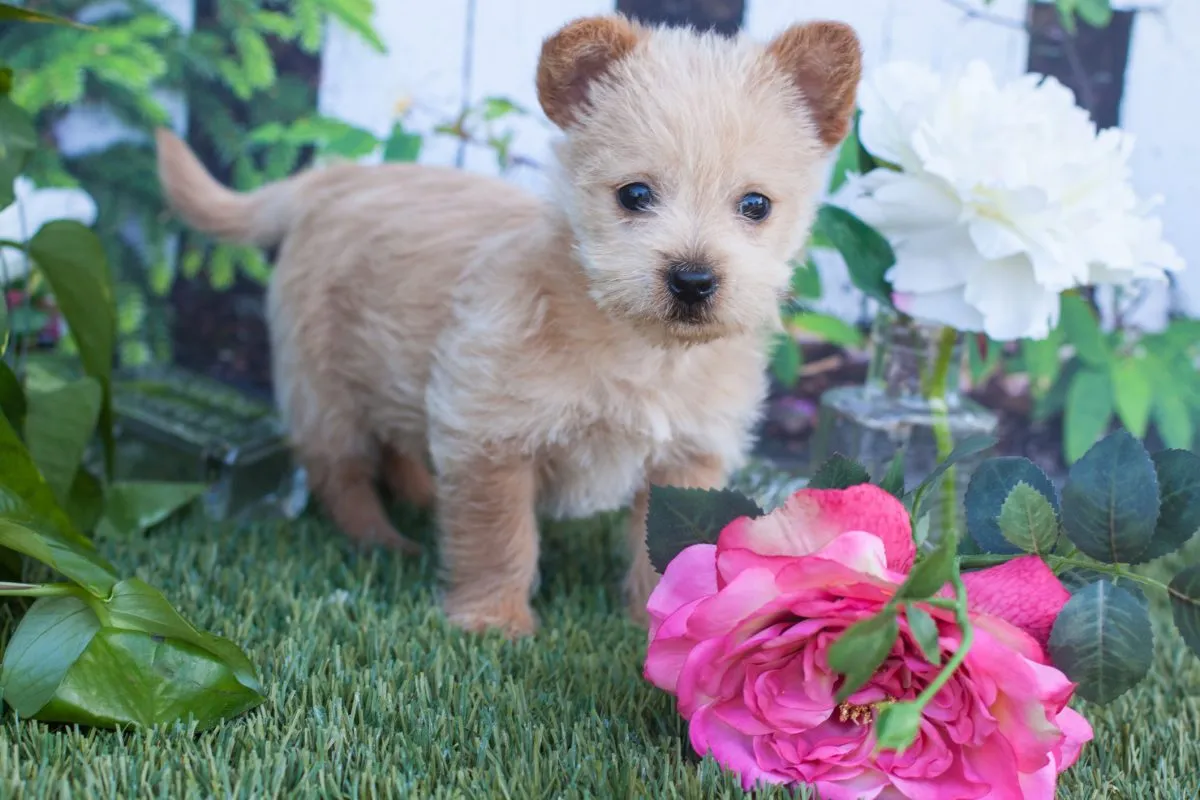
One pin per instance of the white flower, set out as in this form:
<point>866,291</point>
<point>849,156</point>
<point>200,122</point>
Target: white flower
<point>1001,198</point>
<point>34,208</point>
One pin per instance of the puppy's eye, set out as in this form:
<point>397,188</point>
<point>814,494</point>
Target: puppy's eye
<point>635,196</point>
<point>754,206</point>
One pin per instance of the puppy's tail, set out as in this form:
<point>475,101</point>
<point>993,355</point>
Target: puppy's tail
<point>260,218</point>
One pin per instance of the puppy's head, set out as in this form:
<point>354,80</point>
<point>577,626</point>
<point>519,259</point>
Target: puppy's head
<point>691,163</point>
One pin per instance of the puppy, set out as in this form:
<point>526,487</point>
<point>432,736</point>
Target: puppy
<point>505,357</point>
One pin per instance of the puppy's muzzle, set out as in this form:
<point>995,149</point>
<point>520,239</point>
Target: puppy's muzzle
<point>691,285</point>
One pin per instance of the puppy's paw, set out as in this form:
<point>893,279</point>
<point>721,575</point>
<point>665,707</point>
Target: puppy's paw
<point>388,539</point>
<point>511,616</point>
<point>639,584</point>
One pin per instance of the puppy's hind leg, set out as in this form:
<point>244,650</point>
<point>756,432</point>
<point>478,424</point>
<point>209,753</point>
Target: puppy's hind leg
<point>407,478</point>
<point>346,488</point>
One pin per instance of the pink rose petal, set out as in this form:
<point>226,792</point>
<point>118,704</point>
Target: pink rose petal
<point>1024,592</point>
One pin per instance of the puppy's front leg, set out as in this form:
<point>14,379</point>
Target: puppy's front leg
<point>489,544</point>
<point>704,472</point>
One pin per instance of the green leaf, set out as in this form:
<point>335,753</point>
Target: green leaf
<point>136,605</point>
<point>22,486</point>
<point>1132,395</point>
<point>130,678</point>
<point>1041,359</point>
<point>1110,502</point>
<point>893,481</point>
<point>1028,521</point>
<point>968,447</point>
<point>72,259</point>
<point>932,572</point>
<point>829,328</point>
<point>786,360</point>
<point>982,365</point>
<point>1088,412</point>
<point>58,428</point>
<point>1103,640</point>
<point>679,518</point>
<point>34,538</point>
<point>924,631</point>
<point>1173,420</point>
<point>12,397</point>
<point>860,650</point>
<point>134,507</point>
<point>847,160</point>
<point>897,725</point>
<point>1097,13</point>
<point>402,145</point>
<point>1184,591</point>
<point>989,489</point>
<point>868,255</point>
<point>46,644</point>
<point>1178,474</point>
<point>839,472</point>
<point>85,501</point>
<point>18,140</point>
<point>806,280</point>
<point>1083,332</point>
<point>9,13</point>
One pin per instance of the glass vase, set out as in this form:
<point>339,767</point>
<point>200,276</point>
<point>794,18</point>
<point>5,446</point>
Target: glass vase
<point>910,400</point>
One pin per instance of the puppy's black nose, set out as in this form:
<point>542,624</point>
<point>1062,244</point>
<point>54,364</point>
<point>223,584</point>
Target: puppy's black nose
<point>691,283</point>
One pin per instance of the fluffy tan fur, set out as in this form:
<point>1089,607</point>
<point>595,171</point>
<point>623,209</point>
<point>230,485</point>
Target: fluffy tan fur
<point>508,357</point>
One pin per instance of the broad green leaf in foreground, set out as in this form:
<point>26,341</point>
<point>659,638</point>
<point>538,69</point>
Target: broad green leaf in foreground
<point>839,472</point>
<point>679,518</point>
<point>1110,502</point>
<point>133,507</point>
<point>59,426</point>
<point>128,660</point>
<point>72,258</point>
<point>12,398</point>
<point>1102,640</point>
<point>22,486</point>
<point>989,489</point>
<point>40,541</point>
<point>1184,591</point>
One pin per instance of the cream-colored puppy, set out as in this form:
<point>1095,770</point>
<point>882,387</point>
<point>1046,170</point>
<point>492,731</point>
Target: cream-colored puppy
<point>547,357</point>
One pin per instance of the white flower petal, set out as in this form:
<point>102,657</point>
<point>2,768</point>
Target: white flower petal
<point>933,260</point>
<point>947,307</point>
<point>1014,305</point>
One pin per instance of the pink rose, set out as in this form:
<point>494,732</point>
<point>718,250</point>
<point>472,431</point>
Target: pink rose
<point>741,630</point>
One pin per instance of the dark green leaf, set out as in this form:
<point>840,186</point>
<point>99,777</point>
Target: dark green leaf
<point>932,572</point>
<point>893,481</point>
<point>1110,502</point>
<point>130,678</point>
<point>1178,474</point>
<point>829,328</point>
<point>22,485</point>
<point>786,360</point>
<point>12,397</point>
<point>1132,395</point>
<point>679,518</point>
<point>18,140</point>
<point>1103,640</point>
<point>1087,413</point>
<point>897,725</point>
<point>1184,591</point>
<point>72,259</point>
<point>990,487</point>
<point>847,161</point>
<point>1097,13</point>
<point>85,502</point>
<point>860,650</point>
<point>839,472</point>
<point>806,280</point>
<point>9,13</point>
<point>867,254</point>
<point>47,643</point>
<point>924,630</point>
<point>59,426</point>
<point>136,506</point>
<point>1083,332</point>
<point>402,145</point>
<point>1028,521</point>
<point>963,450</point>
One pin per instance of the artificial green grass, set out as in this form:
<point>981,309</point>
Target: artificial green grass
<point>371,694</point>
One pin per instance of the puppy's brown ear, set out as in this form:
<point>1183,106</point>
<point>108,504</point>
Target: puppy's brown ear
<point>577,55</point>
<point>824,59</point>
